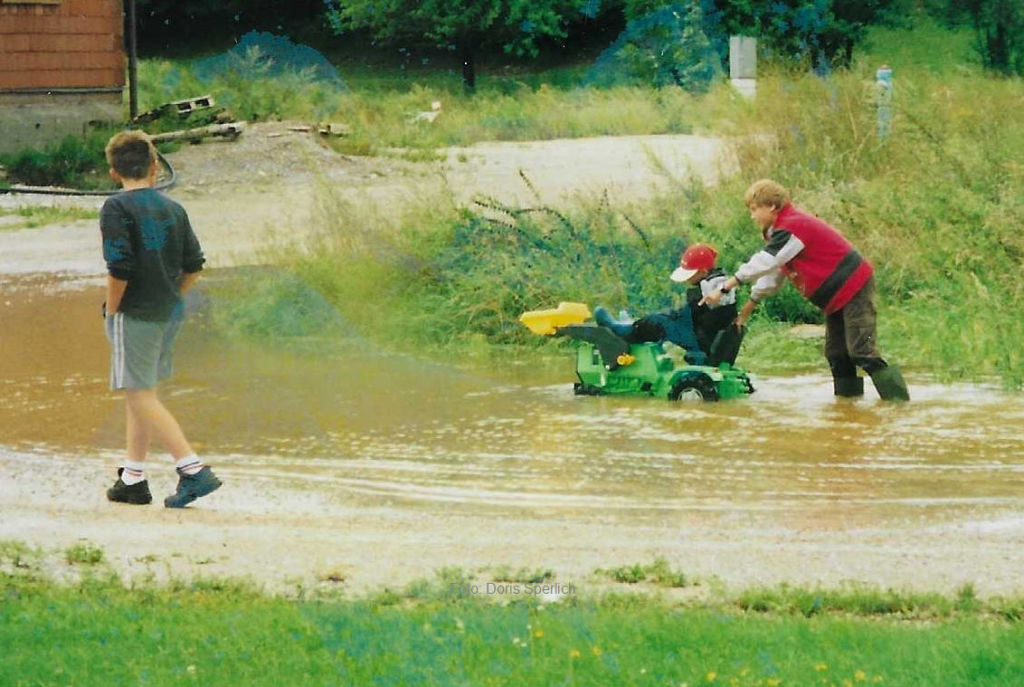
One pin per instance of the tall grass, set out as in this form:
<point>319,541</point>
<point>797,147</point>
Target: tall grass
<point>382,109</point>
<point>384,120</point>
<point>33,216</point>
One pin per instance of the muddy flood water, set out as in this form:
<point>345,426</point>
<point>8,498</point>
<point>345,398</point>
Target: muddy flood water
<point>387,467</point>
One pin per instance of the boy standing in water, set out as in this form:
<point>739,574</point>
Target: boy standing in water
<point>153,258</point>
<point>830,273</point>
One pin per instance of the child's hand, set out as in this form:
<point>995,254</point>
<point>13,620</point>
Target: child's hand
<point>712,298</point>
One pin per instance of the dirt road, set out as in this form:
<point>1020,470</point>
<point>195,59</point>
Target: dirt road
<point>262,189</point>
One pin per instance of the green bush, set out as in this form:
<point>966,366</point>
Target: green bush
<point>73,162</point>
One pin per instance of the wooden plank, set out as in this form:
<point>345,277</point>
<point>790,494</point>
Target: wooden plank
<point>67,26</point>
<point>78,78</point>
<point>96,42</point>
<point>93,8</point>
<point>230,130</point>
<point>15,44</point>
<point>52,61</point>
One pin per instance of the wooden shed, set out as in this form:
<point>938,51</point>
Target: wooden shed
<point>62,68</point>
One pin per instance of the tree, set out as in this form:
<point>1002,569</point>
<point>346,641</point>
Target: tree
<point>999,25</point>
<point>998,28</point>
<point>823,31</point>
<point>463,26</point>
<point>667,46</point>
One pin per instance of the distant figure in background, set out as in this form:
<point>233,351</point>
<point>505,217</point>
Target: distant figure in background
<point>883,100</point>
<point>830,273</point>
<point>153,258</point>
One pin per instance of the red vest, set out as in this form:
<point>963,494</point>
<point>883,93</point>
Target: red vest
<point>828,271</point>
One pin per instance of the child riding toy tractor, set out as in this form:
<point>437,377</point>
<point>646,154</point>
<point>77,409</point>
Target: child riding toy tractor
<point>607,364</point>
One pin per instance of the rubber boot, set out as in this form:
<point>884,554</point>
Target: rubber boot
<point>848,387</point>
<point>605,319</point>
<point>890,385</point>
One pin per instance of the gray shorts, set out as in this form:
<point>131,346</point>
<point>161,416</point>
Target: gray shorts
<point>140,351</point>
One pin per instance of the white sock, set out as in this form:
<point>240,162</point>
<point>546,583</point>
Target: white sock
<point>132,473</point>
<point>190,465</point>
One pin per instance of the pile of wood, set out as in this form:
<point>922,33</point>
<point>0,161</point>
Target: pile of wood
<point>223,126</point>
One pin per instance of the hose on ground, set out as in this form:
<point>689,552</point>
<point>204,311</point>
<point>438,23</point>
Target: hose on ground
<point>53,191</point>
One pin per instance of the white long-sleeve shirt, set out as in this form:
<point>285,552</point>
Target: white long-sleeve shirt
<point>764,268</point>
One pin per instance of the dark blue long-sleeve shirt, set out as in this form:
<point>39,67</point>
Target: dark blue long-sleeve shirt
<point>148,242</point>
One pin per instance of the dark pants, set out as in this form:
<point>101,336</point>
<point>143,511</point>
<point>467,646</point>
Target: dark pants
<point>675,326</point>
<point>850,336</point>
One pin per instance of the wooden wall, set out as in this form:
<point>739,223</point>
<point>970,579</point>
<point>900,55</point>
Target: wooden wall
<point>61,44</point>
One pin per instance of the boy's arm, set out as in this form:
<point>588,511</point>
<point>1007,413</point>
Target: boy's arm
<point>780,249</point>
<point>117,252</point>
<point>115,292</point>
<point>188,280</point>
<point>745,312</point>
<point>193,258</point>
<point>765,286</point>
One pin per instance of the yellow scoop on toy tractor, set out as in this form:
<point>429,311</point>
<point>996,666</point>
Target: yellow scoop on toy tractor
<point>545,322</point>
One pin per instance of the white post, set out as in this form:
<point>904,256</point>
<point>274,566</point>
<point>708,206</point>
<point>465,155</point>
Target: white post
<point>883,100</point>
<point>743,64</point>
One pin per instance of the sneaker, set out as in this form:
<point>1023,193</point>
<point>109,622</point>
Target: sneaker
<point>137,493</point>
<point>191,487</point>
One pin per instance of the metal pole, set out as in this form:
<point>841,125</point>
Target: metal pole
<point>133,86</point>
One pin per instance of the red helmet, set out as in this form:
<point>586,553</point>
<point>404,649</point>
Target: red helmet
<point>699,256</point>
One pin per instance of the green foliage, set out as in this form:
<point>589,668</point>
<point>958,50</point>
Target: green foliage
<point>512,109</point>
<point>447,586</point>
<point>967,599</point>
<point>83,554</point>
<point>999,26</point>
<point>42,215</point>
<point>454,275</point>
<point>251,86</point>
<point>659,572</point>
<point>823,33</point>
<point>16,555</point>
<point>462,27</point>
<point>538,259</point>
<point>628,574</point>
<point>72,162</point>
<point>663,48</point>
<point>853,599</point>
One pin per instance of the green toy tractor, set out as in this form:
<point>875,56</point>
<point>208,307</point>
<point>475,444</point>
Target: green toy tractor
<point>607,364</point>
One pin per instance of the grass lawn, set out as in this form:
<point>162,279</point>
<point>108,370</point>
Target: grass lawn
<point>218,633</point>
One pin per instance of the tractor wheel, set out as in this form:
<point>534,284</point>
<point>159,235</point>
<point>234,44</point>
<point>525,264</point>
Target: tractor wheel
<point>694,387</point>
